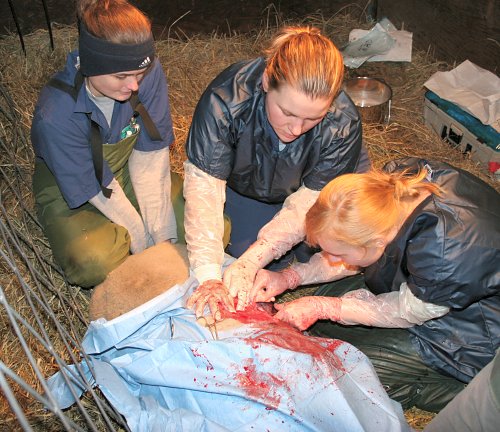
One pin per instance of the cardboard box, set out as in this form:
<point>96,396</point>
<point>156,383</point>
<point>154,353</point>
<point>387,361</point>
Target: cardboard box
<point>462,130</point>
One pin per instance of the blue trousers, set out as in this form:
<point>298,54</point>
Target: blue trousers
<point>248,216</point>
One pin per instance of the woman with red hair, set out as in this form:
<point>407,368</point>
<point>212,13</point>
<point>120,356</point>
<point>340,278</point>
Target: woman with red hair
<point>266,136</point>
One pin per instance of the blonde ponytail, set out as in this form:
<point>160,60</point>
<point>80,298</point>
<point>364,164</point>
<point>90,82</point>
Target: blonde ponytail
<point>306,60</point>
<point>359,208</point>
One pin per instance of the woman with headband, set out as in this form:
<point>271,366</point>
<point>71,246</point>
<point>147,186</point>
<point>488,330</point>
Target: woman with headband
<point>101,133</point>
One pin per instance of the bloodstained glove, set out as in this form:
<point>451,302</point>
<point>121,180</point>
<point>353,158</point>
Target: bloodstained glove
<point>240,275</point>
<point>305,311</point>
<point>214,293</point>
<point>269,284</point>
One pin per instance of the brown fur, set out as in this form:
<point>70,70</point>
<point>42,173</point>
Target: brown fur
<point>138,279</point>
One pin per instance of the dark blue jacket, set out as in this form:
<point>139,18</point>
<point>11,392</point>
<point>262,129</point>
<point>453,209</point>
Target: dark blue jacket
<point>60,131</point>
<point>448,252</point>
<point>230,139</point>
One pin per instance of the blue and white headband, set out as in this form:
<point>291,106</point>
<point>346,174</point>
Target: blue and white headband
<point>101,57</point>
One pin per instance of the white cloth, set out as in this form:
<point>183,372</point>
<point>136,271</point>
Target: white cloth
<point>472,88</point>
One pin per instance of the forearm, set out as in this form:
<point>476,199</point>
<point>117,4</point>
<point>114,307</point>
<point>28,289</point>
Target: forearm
<point>397,309</point>
<point>120,210</point>
<point>274,239</point>
<point>204,222</point>
<point>150,174</point>
<point>287,228</point>
<point>269,284</point>
<point>320,270</point>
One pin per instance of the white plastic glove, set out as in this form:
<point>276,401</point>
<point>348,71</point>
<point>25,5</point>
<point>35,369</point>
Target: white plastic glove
<point>269,284</point>
<point>275,238</point>
<point>214,294</point>
<point>204,222</point>
<point>287,227</point>
<point>319,269</point>
<point>240,275</point>
<point>150,176</point>
<point>118,209</point>
<point>395,309</point>
<point>305,311</point>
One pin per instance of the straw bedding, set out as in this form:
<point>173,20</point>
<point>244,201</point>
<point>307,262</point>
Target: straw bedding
<point>42,318</point>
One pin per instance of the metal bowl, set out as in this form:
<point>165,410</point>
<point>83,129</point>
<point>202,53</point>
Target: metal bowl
<point>372,97</point>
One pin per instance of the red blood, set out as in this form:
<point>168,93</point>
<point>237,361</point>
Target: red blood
<point>263,386</point>
<point>197,354</point>
<point>283,335</point>
<point>253,313</point>
<point>260,386</point>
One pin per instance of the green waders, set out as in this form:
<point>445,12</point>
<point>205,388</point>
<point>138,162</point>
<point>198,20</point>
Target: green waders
<point>403,374</point>
<point>85,243</point>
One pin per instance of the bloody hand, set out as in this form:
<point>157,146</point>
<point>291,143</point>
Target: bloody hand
<point>305,311</point>
<point>214,293</point>
<point>269,284</point>
<point>239,277</point>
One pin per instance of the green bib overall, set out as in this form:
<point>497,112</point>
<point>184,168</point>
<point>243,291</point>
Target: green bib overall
<point>85,243</point>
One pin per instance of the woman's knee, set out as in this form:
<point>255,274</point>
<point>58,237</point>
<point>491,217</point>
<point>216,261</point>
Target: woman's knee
<point>88,258</point>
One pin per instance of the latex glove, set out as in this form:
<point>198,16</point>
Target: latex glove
<point>120,210</point>
<point>214,294</point>
<point>305,311</point>
<point>269,284</point>
<point>150,176</point>
<point>321,269</point>
<point>240,275</point>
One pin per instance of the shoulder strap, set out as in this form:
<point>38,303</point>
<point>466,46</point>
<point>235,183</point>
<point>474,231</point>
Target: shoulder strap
<point>140,109</point>
<point>95,134</point>
<point>65,87</point>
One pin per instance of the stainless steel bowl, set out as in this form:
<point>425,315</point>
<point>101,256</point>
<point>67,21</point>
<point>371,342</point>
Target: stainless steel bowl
<point>372,97</point>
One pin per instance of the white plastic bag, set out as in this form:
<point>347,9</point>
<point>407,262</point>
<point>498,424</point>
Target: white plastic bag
<point>382,43</point>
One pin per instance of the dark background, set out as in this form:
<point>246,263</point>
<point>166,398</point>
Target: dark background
<point>451,30</point>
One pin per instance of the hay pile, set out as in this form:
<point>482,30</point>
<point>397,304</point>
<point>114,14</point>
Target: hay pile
<point>43,318</point>
<point>406,135</point>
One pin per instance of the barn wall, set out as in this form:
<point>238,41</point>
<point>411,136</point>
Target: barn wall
<point>454,30</point>
<point>194,15</point>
